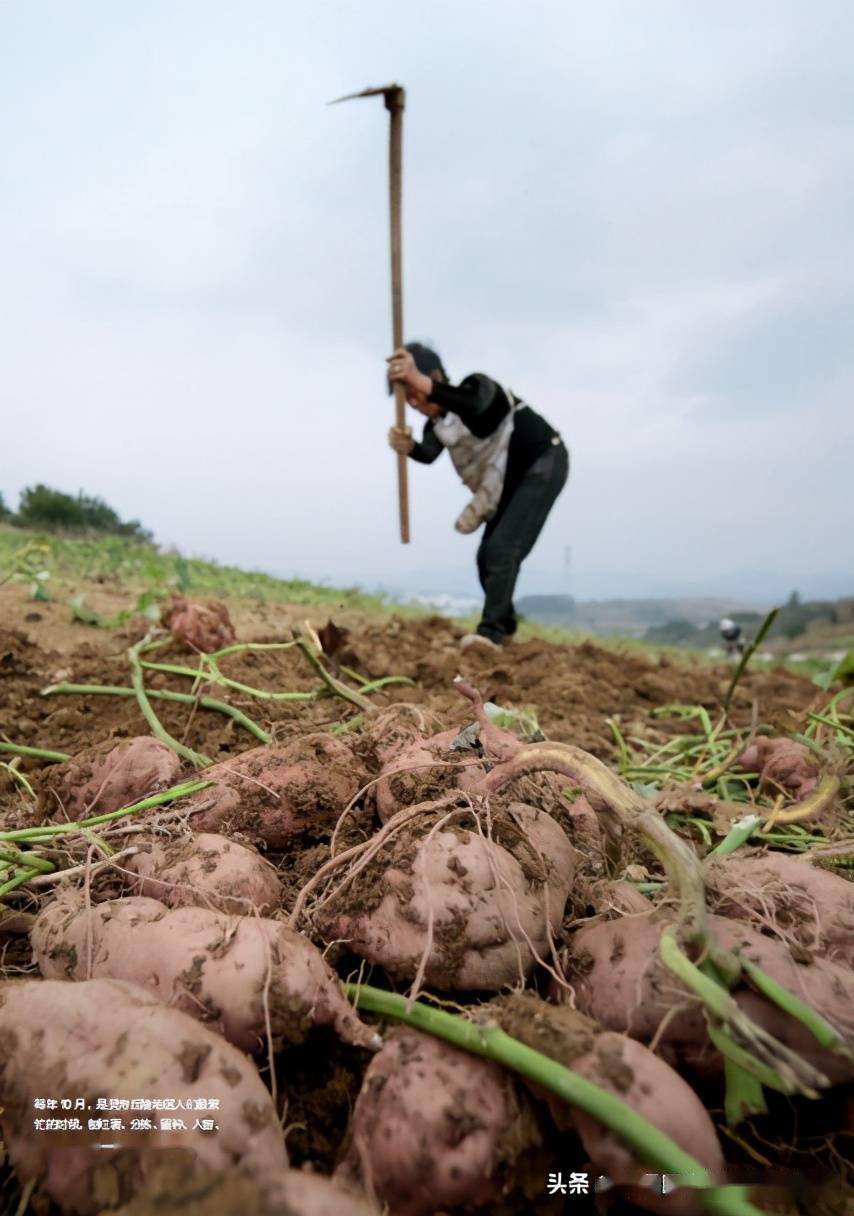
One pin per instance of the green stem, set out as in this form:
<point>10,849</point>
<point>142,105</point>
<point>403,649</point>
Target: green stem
<point>758,1052</point>
<point>679,860</point>
<point>819,1027</point>
<point>354,675</point>
<point>28,860</point>
<point>743,1062</point>
<point>95,839</point>
<point>714,774</point>
<point>341,690</point>
<point>838,698</point>
<point>172,668</point>
<point>343,728</point>
<point>677,772</point>
<point>238,646</point>
<point>743,1095</point>
<point>260,693</point>
<point>155,725</point>
<point>687,711</point>
<point>117,690</point>
<point>384,682</point>
<point>17,881</point>
<point>816,802</point>
<point>38,753</point>
<point>17,777</point>
<point>650,1143</point>
<point>58,829</point>
<point>624,756</point>
<point>215,676</point>
<point>736,836</point>
<point>833,723</point>
<point>155,644</point>
<point>748,654</point>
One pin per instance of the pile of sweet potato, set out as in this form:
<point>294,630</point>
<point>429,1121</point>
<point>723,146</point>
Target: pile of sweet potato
<point>468,873</point>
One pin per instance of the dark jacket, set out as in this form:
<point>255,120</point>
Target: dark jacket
<point>481,404</point>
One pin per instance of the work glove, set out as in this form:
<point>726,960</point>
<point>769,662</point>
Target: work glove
<point>470,519</point>
<point>400,440</point>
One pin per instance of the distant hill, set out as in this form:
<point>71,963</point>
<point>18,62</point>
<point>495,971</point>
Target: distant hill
<point>824,622</point>
<point>631,617</point>
<point>694,622</point>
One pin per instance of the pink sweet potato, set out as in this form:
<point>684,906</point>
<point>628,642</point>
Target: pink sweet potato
<point>620,981</point>
<point>432,1127</point>
<point>178,1184</point>
<point>206,871</point>
<point>618,897</point>
<point>307,1194</point>
<point>624,1068</point>
<point>201,627</point>
<point>783,765</point>
<point>231,972</point>
<point>107,777</point>
<point>584,825</point>
<point>106,1039</point>
<point>418,768</point>
<point>789,897</point>
<point>478,909</point>
<point>272,794</point>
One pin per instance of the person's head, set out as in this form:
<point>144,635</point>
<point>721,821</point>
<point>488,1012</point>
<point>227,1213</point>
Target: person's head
<point>429,364</point>
<point>726,625</point>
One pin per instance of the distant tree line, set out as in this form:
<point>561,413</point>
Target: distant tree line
<point>52,510</point>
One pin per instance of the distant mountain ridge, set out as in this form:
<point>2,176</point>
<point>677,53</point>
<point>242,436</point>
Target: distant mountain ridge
<point>627,617</point>
<point>692,622</point>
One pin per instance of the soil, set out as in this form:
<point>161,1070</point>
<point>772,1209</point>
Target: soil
<point>575,690</point>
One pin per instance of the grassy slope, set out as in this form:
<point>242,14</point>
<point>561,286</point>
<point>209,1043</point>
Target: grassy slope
<point>75,562</point>
<point>120,563</point>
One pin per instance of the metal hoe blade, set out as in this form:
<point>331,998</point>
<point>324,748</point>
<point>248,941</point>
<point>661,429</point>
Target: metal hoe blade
<point>393,94</point>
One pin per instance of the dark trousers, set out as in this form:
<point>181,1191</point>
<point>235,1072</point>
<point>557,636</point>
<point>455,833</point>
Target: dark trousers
<point>511,535</point>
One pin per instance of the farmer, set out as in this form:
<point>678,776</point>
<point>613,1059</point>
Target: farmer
<point>731,636</point>
<point>511,459</point>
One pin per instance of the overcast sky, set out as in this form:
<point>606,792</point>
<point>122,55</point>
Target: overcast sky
<point>638,215</point>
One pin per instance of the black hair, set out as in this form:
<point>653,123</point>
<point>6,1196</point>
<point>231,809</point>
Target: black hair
<point>426,360</point>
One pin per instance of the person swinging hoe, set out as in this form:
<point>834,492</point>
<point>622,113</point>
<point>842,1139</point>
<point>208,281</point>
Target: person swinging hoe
<point>512,460</point>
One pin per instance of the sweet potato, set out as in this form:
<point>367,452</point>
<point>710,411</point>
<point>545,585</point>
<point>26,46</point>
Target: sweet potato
<point>788,896</point>
<point>624,1068</point>
<point>432,1127</point>
<point>313,1195</point>
<point>178,1184</point>
<point>107,777</point>
<point>618,897</point>
<point>423,771</point>
<point>415,767</point>
<point>477,908</point>
<point>201,627</point>
<point>206,871</point>
<point>232,972</point>
<point>620,981</point>
<point>273,793</point>
<point>782,764</point>
<point>583,825</point>
<point>107,1039</point>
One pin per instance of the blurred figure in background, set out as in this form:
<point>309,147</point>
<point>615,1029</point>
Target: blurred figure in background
<point>731,636</point>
